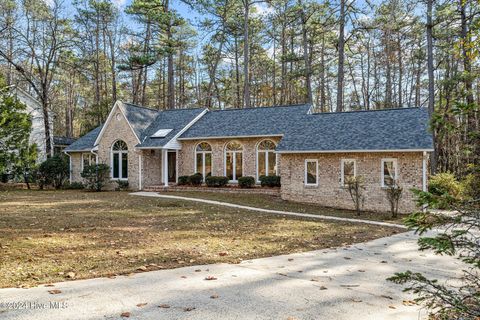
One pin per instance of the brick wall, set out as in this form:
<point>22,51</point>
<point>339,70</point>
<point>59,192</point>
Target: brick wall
<point>186,156</point>
<point>329,191</point>
<point>119,129</point>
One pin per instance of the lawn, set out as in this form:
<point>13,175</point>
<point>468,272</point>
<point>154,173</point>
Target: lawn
<point>49,236</point>
<point>276,203</point>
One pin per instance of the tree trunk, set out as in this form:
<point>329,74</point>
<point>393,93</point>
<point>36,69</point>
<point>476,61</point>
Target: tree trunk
<point>246,56</point>
<point>341,57</point>
<point>431,81</point>
<point>306,56</point>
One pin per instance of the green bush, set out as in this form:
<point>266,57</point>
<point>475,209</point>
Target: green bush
<point>471,183</point>
<point>216,181</point>
<point>446,187</point>
<point>195,179</point>
<point>53,171</point>
<point>246,182</point>
<point>270,181</point>
<point>95,176</point>
<point>122,185</point>
<point>182,180</point>
<point>444,182</point>
<point>74,186</point>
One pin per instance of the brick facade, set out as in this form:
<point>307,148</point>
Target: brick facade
<point>329,191</point>
<point>186,164</point>
<point>291,167</point>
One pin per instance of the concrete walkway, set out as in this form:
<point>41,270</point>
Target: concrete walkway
<point>286,213</point>
<point>343,284</point>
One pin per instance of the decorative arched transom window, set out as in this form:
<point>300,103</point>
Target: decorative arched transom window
<point>120,160</point>
<point>266,159</point>
<point>203,159</point>
<point>233,161</point>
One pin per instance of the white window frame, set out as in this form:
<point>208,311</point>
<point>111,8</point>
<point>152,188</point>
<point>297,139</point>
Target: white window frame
<point>266,158</point>
<point>90,160</point>
<point>306,173</point>
<point>203,153</point>
<point>234,153</point>
<point>342,169</point>
<point>382,174</point>
<point>120,164</point>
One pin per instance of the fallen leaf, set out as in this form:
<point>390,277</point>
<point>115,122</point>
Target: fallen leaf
<point>386,297</point>
<point>210,278</point>
<point>198,270</point>
<point>164,306</point>
<point>290,259</point>
<point>125,315</point>
<point>361,270</point>
<point>349,285</point>
<point>141,304</point>
<point>383,261</point>
<point>214,296</point>
<point>323,288</point>
<point>409,303</point>
<point>183,277</point>
<point>49,285</point>
<point>347,258</point>
<point>223,253</point>
<point>54,291</point>
<point>356,300</point>
<point>71,275</point>
<point>392,307</point>
<point>188,309</point>
<point>291,318</point>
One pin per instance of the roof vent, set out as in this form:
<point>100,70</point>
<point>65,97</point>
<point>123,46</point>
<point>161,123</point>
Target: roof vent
<point>162,133</point>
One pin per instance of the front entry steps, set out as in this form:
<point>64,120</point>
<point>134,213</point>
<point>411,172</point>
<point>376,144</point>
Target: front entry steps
<point>232,189</point>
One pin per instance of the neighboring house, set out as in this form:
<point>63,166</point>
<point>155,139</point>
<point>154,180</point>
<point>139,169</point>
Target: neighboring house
<point>60,143</point>
<point>313,153</point>
<point>37,135</point>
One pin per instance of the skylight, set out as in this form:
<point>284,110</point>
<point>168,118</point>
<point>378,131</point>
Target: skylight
<point>162,133</point>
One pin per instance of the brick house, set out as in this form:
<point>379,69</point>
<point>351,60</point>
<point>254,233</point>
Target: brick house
<point>313,153</point>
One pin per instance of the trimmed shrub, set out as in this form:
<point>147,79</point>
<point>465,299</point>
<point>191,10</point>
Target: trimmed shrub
<point>74,186</point>
<point>195,179</point>
<point>216,181</point>
<point>182,180</point>
<point>122,185</point>
<point>246,182</point>
<point>95,176</point>
<point>53,171</point>
<point>270,181</point>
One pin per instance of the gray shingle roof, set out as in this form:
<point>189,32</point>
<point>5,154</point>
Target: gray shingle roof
<point>170,119</point>
<point>389,129</point>
<point>85,143</point>
<point>139,118</point>
<point>246,122</point>
<point>63,141</point>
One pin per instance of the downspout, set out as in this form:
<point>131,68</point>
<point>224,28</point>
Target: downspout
<point>140,167</point>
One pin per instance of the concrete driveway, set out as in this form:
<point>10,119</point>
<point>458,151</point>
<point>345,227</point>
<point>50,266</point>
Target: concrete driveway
<point>343,283</point>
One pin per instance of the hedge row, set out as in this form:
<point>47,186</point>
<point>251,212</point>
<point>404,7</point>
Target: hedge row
<point>220,181</point>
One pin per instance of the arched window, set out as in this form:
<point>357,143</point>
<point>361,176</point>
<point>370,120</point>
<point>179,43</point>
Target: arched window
<point>233,161</point>
<point>266,159</point>
<point>203,159</point>
<point>120,160</point>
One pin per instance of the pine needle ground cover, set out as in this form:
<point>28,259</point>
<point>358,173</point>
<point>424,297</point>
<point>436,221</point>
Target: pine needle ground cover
<point>51,236</point>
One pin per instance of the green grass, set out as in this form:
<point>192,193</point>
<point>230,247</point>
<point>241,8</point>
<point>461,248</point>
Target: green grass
<point>44,235</point>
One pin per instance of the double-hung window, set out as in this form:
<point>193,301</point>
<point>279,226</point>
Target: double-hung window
<point>311,172</point>
<point>349,170</point>
<point>389,172</point>
<point>88,159</point>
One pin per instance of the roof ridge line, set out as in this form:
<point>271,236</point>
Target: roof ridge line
<point>266,107</point>
<point>376,110</point>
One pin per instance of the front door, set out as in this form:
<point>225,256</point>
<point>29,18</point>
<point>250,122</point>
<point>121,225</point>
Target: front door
<point>172,166</point>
